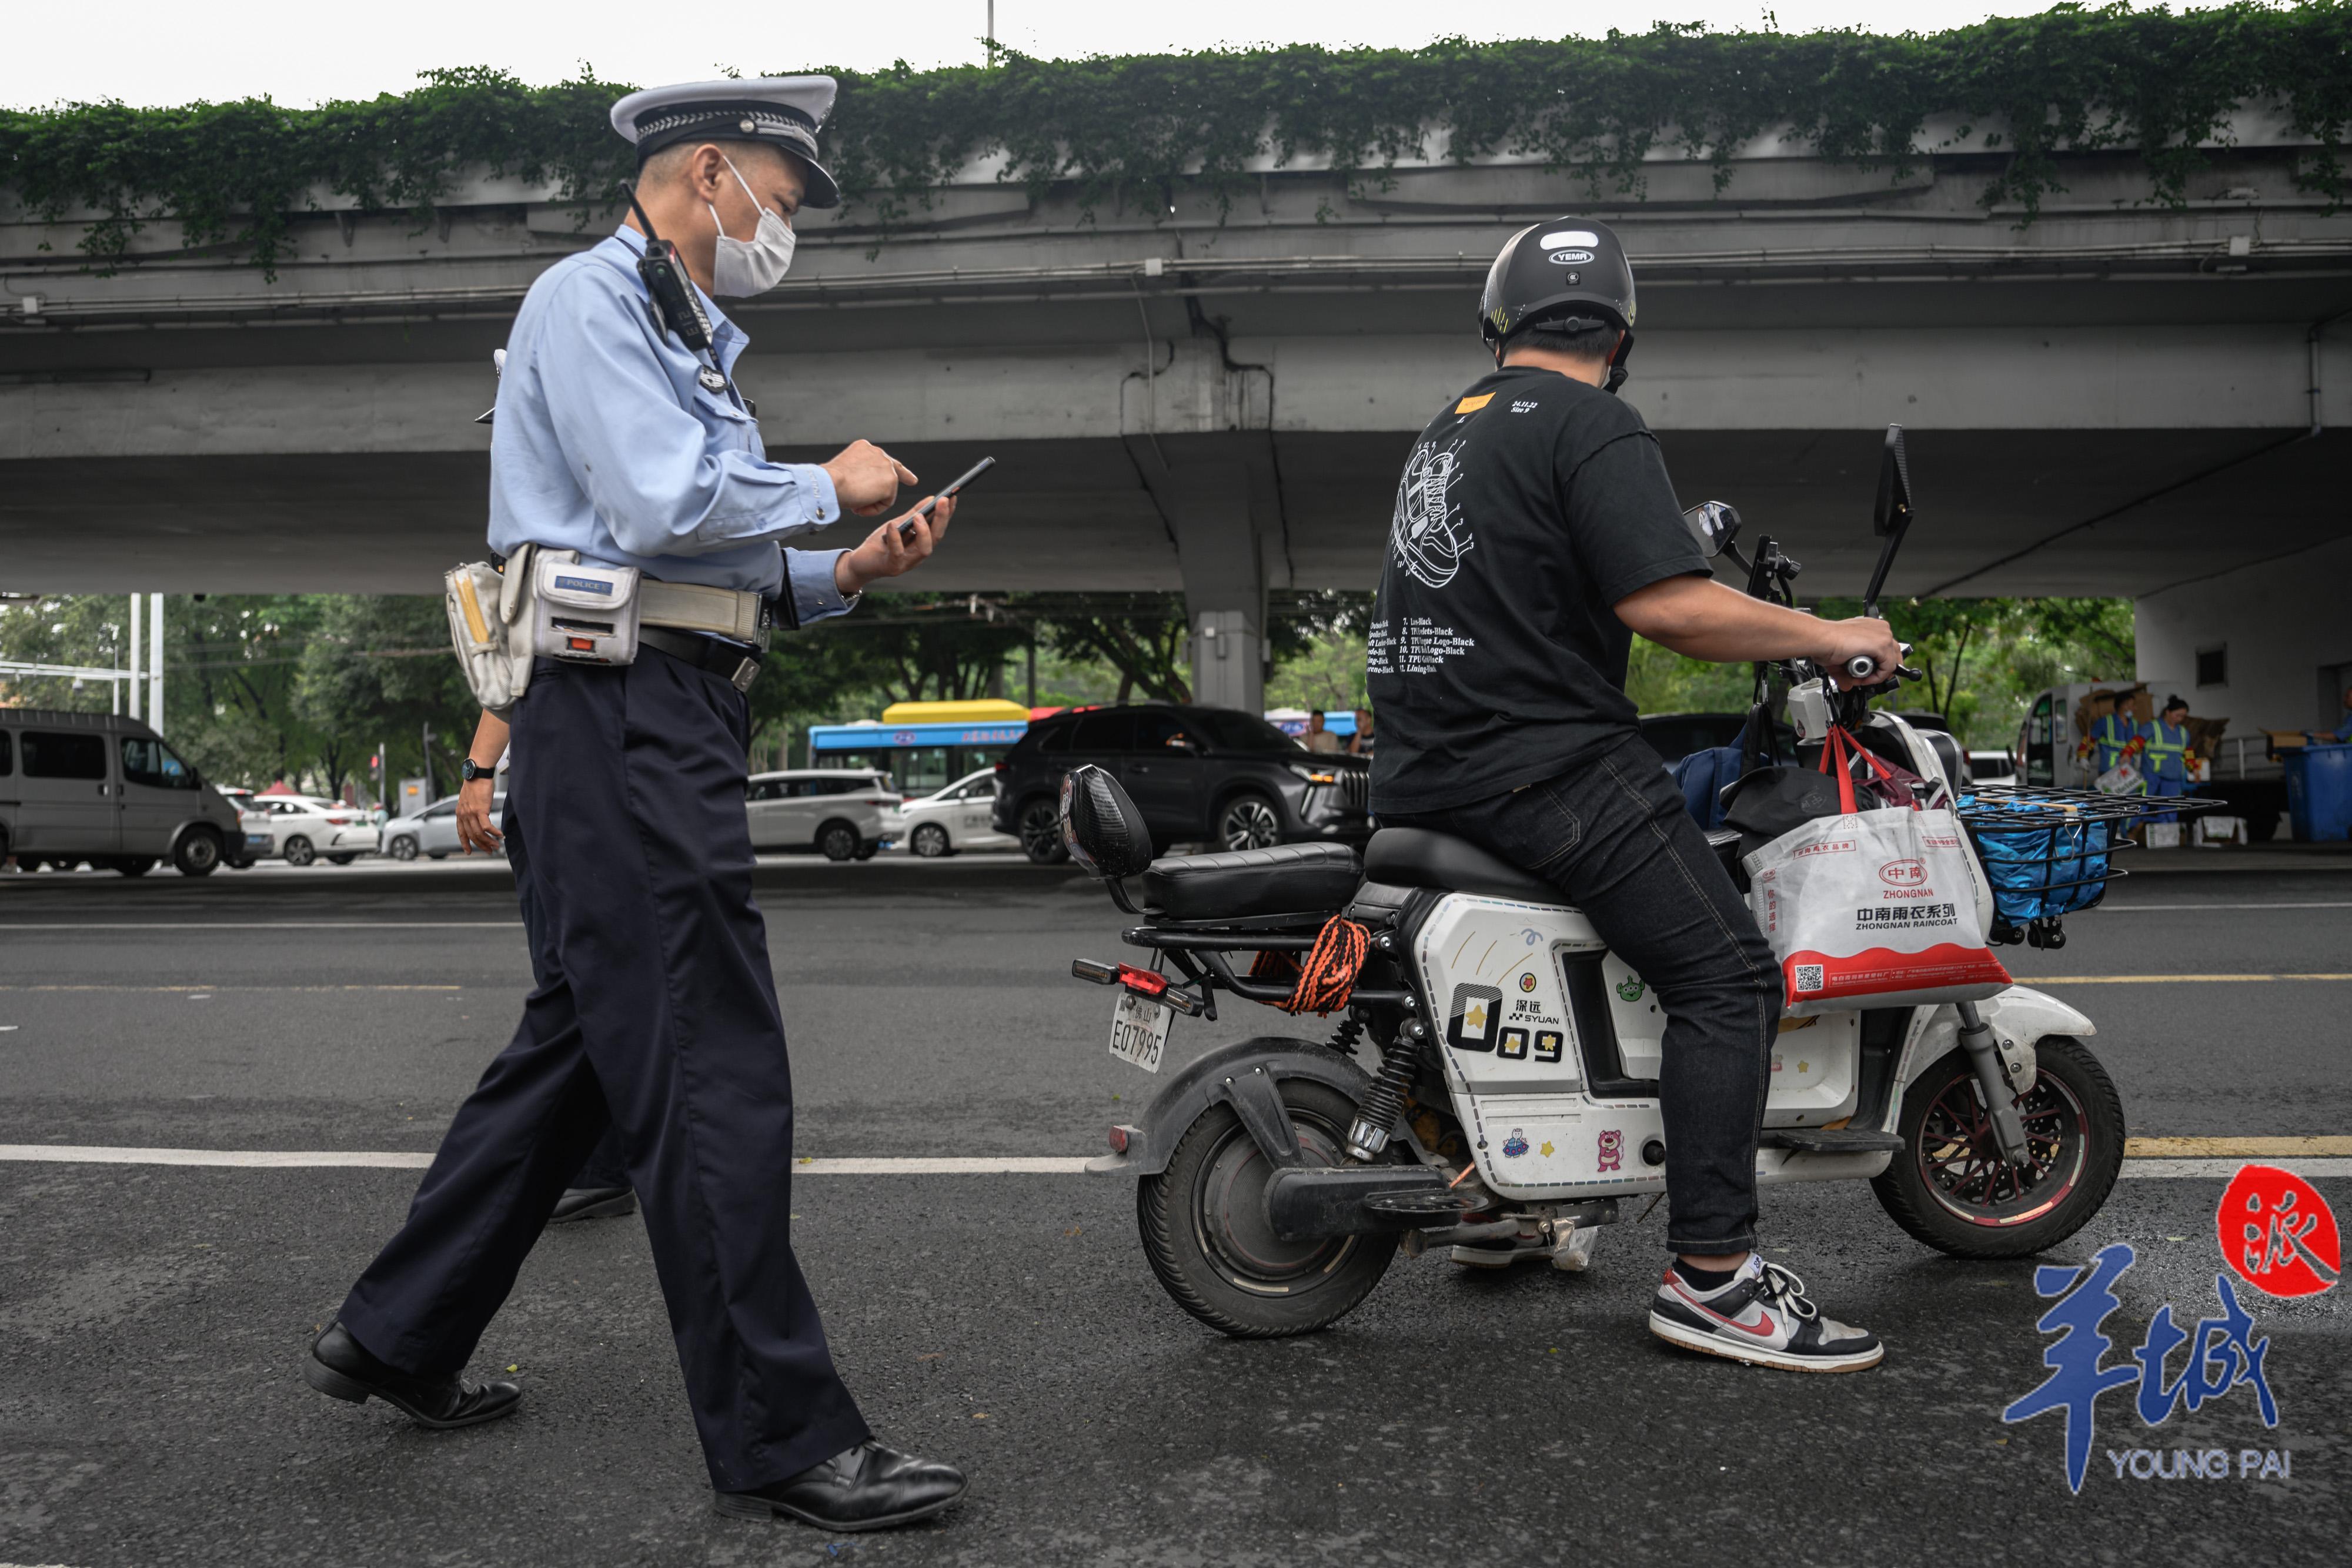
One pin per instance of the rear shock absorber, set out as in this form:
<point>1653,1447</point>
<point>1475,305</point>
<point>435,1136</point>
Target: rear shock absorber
<point>1368,1135</point>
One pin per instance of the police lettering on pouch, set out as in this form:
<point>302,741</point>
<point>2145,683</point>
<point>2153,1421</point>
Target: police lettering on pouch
<point>654,1011</point>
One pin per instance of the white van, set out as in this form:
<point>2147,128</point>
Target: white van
<point>100,787</point>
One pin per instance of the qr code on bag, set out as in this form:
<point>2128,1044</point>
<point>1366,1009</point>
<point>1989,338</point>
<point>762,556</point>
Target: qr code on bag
<point>1809,976</point>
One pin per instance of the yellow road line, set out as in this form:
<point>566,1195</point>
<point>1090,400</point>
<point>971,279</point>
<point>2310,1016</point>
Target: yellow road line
<point>2162,980</point>
<point>2234,1148</point>
<point>212,988</point>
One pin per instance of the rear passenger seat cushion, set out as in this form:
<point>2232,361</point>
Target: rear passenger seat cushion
<point>1288,879</point>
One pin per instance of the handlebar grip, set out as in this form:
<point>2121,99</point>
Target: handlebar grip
<point>1862,669</point>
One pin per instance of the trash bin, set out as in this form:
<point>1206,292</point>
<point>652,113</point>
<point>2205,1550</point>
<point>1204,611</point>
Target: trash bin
<point>2319,791</point>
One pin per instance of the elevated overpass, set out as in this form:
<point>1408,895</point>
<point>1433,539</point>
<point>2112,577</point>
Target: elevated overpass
<point>2115,398</point>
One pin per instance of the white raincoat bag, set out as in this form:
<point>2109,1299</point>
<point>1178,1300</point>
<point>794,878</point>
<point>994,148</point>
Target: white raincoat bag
<point>1873,908</point>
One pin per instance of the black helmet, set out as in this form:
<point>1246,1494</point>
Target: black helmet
<point>1565,276</point>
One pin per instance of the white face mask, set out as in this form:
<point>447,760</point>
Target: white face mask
<point>745,268</point>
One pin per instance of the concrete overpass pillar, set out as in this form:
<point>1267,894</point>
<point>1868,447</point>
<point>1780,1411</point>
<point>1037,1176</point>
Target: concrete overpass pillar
<point>1218,552</point>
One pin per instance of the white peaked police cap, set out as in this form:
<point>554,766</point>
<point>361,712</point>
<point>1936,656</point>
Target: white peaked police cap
<point>786,110</point>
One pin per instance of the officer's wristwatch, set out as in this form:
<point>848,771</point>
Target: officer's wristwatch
<point>473,770</point>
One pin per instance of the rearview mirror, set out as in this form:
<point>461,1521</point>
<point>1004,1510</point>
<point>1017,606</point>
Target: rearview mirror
<point>1714,525</point>
<point>1894,508</point>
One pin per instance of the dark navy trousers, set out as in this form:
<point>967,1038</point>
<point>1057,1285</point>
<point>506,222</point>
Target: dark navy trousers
<point>656,1012</point>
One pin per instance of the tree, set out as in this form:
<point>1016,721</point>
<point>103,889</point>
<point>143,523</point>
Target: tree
<point>87,630</point>
<point>228,684</point>
<point>378,668</point>
<point>1149,647</point>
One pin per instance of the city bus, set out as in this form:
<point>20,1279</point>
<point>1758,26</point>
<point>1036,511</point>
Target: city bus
<point>924,746</point>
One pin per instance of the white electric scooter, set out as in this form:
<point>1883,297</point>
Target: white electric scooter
<point>1495,1077</point>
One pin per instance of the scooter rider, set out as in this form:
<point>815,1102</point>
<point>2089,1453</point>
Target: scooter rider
<point>1535,533</point>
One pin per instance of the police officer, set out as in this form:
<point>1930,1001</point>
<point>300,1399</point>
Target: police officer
<point>657,1010</point>
<point>1535,532</point>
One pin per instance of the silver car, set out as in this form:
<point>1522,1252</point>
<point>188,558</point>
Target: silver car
<point>432,833</point>
<point>104,789</point>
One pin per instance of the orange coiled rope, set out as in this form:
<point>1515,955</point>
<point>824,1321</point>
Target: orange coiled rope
<point>1328,976</point>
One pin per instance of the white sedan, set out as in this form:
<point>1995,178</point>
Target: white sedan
<point>299,828</point>
<point>957,818</point>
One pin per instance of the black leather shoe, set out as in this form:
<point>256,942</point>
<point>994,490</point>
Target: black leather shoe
<point>341,1367</point>
<point>868,1487</point>
<point>592,1202</point>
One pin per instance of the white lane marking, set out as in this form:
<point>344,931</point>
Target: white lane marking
<point>2223,1170</point>
<point>391,1159</point>
<point>267,925</point>
<point>98,1155</point>
<point>949,1164</point>
<point>2138,909</point>
<point>957,1165</point>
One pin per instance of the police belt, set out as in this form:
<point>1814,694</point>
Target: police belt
<point>734,662</point>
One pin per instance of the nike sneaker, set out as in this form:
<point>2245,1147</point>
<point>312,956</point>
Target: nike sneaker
<point>1762,1316</point>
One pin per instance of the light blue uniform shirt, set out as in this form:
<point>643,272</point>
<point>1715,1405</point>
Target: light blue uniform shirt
<point>606,442</point>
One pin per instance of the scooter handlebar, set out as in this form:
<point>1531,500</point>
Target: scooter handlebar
<point>1863,670</point>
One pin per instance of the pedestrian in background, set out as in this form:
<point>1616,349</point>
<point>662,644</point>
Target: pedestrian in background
<point>617,440</point>
<point>1318,738</point>
<point>1360,743</point>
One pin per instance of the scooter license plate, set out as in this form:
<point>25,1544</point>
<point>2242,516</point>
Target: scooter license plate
<point>1138,1029</point>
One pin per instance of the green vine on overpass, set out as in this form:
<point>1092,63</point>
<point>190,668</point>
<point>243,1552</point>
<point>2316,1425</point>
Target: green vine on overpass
<point>2073,79</point>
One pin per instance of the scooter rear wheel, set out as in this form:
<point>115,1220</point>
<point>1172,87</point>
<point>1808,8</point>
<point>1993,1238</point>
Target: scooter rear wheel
<point>1205,1233</point>
<point>1950,1188</point>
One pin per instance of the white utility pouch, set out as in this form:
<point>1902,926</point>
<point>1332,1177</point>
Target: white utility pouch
<point>487,625</point>
<point>586,614</point>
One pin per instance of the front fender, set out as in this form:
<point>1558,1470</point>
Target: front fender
<point>1185,1095</point>
<point>2020,1017</point>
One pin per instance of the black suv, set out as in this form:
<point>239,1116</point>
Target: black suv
<point>1197,773</point>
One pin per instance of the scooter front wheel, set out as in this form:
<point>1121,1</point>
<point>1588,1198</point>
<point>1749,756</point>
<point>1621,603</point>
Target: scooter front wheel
<point>1206,1235</point>
<point>1950,1188</point>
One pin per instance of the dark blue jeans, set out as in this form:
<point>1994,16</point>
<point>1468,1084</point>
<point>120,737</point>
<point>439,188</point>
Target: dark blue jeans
<point>1613,834</point>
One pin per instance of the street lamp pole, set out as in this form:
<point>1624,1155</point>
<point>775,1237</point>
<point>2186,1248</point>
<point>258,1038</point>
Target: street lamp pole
<point>138,613</point>
<point>156,667</point>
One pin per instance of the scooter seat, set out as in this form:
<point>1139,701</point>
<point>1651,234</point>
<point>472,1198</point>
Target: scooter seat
<point>1419,857</point>
<point>1306,880</point>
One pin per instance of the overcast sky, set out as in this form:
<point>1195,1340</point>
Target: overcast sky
<point>181,51</point>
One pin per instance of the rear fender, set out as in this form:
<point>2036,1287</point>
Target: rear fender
<point>1202,1084</point>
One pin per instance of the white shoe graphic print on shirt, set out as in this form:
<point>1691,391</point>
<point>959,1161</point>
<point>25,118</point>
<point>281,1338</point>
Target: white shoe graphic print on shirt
<point>1426,531</point>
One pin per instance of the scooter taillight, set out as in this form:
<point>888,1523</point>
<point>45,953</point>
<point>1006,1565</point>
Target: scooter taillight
<point>1147,981</point>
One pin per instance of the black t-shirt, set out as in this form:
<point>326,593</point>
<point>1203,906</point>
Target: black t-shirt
<point>1528,509</point>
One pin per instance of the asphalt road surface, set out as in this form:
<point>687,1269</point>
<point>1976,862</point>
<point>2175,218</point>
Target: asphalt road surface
<point>152,1317</point>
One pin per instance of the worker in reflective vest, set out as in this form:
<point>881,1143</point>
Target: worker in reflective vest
<point>2166,757</point>
<point>2115,736</point>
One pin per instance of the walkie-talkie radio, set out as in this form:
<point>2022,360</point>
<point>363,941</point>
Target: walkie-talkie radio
<point>674,305</point>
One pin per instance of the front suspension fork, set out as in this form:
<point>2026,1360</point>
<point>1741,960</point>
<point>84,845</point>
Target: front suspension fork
<point>1992,1080</point>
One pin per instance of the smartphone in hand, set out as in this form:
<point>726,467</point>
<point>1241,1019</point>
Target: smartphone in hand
<point>906,529</point>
